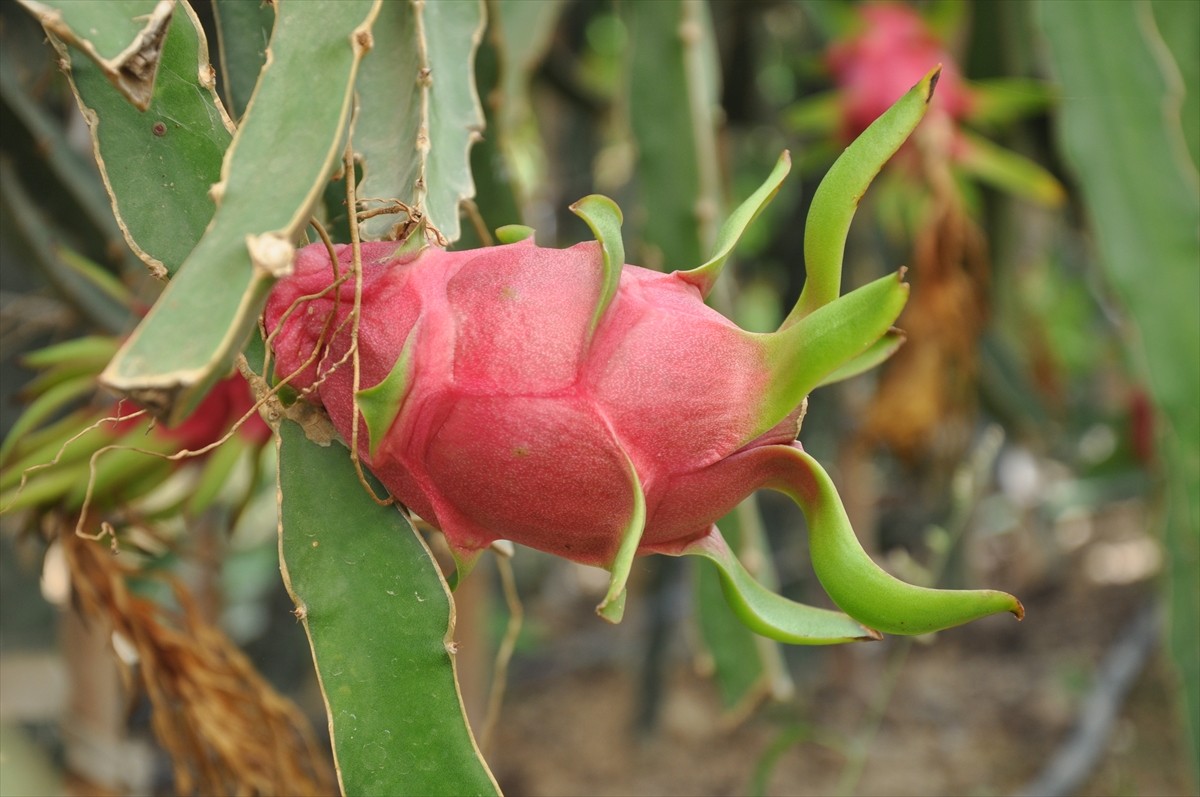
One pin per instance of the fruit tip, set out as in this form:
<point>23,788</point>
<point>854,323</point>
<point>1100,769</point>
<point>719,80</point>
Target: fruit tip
<point>612,609</point>
<point>934,77</point>
<point>1018,610</point>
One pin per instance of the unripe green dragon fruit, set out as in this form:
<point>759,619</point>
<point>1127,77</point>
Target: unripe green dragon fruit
<point>565,401</point>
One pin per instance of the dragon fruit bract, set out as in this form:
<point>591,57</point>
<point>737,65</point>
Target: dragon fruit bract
<point>559,399</point>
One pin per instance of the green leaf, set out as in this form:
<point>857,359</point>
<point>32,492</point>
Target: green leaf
<point>737,670</point>
<point>381,403</point>
<point>123,38</point>
<point>673,87</point>
<point>464,564</point>
<point>817,114</point>
<point>380,622</point>
<point>46,406</point>
<point>189,339</point>
<point>1126,131</point>
<point>612,608</point>
<point>705,276</point>
<point>103,282</point>
<point>788,737</point>
<point>604,219</point>
<point>121,474</point>
<point>1007,170</point>
<point>747,667</point>
<point>997,102</point>
<point>771,615</point>
<point>53,377</point>
<point>243,35</point>
<point>877,354</point>
<point>802,356</point>
<point>837,197</point>
<point>91,349</point>
<point>42,445</point>
<point>514,233</point>
<point>126,473</point>
<point>44,487</point>
<point>217,468</point>
<point>420,112</point>
<point>857,585</point>
<point>159,165</point>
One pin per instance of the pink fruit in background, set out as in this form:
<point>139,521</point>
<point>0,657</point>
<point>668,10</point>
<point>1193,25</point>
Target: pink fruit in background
<point>226,403</point>
<point>891,50</point>
<point>565,401</point>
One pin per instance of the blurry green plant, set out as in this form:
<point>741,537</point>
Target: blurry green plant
<point>930,203</point>
<point>1131,131</point>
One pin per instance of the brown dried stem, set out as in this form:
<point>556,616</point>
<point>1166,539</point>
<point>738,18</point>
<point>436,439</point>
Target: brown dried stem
<point>356,319</point>
<point>225,728</point>
<point>516,617</point>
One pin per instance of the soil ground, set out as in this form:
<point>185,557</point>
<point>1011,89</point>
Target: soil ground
<point>977,711</point>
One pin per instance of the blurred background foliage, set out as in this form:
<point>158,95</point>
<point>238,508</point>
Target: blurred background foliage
<point>1040,431</point>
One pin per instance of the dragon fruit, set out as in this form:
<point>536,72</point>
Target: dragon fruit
<point>890,47</point>
<point>565,401</point>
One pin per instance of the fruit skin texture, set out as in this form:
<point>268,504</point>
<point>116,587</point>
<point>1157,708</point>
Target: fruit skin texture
<point>525,416</point>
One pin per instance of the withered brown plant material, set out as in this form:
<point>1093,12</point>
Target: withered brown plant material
<point>225,728</point>
<point>925,408</point>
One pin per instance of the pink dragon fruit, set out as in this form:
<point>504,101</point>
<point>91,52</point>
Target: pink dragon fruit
<point>596,411</point>
<point>892,48</point>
